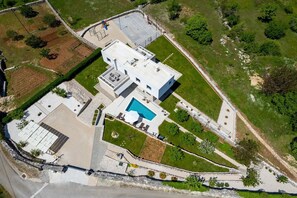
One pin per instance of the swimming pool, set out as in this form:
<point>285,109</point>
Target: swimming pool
<point>142,110</point>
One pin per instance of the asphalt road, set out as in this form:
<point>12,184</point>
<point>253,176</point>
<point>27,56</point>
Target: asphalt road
<point>21,188</point>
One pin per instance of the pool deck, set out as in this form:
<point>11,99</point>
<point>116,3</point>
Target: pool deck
<point>120,104</point>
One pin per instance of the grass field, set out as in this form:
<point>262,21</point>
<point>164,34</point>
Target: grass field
<point>80,14</point>
<point>129,138</point>
<point>226,68</point>
<point>8,4</point>
<point>134,141</point>
<point>177,140</point>
<point>89,76</point>
<point>193,87</point>
<point>28,76</point>
<point>170,105</point>
<point>262,194</point>
<point>3,192</point>
<point>190,163</point>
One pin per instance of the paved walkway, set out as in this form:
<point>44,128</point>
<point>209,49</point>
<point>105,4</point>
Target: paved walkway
<point>87,115</point>
<point>99,149</point>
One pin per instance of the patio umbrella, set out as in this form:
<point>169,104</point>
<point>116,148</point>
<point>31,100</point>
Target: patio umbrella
<point>131,117</point>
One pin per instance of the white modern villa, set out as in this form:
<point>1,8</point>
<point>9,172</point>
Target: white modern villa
<point>128,65</point>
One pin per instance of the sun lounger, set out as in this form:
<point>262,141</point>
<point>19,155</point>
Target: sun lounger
<point>146,128</point>
<point>120,115</point>
<point>141,125</point>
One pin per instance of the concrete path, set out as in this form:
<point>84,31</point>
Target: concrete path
<point>99,149</point>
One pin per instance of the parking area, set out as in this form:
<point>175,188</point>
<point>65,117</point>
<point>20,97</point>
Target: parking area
<point>77,151</point>
<point>137,28</point>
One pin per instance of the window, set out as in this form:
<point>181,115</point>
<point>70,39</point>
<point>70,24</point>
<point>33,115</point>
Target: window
<point>170,82</point>
<point>126,73</point>
<point>148,87</point>
<point>137,80</point>
<point>108,59</point>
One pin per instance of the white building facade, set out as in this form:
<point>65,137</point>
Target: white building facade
<point>140,66</point>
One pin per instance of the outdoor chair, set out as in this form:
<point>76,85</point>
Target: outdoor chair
<point>146,128</point>
<point>141,125</point>
<point>120,115</point>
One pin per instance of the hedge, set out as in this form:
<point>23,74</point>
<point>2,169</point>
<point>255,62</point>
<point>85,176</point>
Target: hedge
<point>70,75</point>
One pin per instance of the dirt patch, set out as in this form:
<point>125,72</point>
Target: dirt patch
<point>256,81</point>
<point>24,80</point>
<point>152,150</point>
<point>83,50</point>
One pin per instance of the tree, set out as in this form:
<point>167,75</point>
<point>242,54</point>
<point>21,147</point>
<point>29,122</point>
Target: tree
<point>280,80</point>
<point>14,35</point>
<point>176,154</point>
<point>282,179</point>
<point>288,9</point>
<point>182,115</point>
<point>293,23</point>
<point>172,129</point>
<point>269,48</point>
<point>51,20</point>
<point>196,28</point>
<point>207,147</point>
<point>17,114</point>
<point>293,121</point>
<point>267,13</point>
<point>252,178</point>
<point>28,12</point>
<point>246,151</point>
<point>35,42</point>
<point>189,139</point>
<point>174,9</point>
<point>275,30</point>
<point>45,52</point>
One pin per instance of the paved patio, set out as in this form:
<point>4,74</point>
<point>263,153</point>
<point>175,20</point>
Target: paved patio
<point>77,151</point>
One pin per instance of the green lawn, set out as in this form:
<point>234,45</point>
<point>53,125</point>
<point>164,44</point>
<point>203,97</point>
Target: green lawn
<point>3,192</point>
<point>80,13</point>
<point>193,87</point>
<point>244,194</point>
<point>177,140</point>
<point>170,105</point>
<point>3,4</point>
<point>190,162</point>
<point>129,138</point>
<point>226,68</point>
<point>89,76</point>
<point>184,186</point>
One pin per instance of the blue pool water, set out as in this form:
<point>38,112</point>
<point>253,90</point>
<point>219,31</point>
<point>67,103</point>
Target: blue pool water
<point>142,110</point>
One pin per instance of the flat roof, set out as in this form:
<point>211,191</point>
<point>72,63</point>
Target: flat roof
<point>139,63</point>
<point>113,77</point>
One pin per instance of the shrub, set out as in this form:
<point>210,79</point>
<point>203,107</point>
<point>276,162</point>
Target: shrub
<point>196,127</point>
<point>182,115</point>
<point>163,175</point>
<point>227,185</point>
<point>22,124</point>
<point>22,144</point>
<point>14,35</point>
<point>267,13</point>
<point>51,20</point>
<point>269,48</point>
<point>176,154</point>
<point>60,92</point>
<point>151,173</point>
<point>174,9</point>
<point>35,42</point>
<point>207,147</point>
<point>17,114</point>
<point>293,147</point>
<point>229,11</point>
<point>293,23</point>
<point>246,151</point>
<point>212,181</point>
<point>250,47</point>
<point>173,178</point>
<point>282,179</point>
<point>252,178</point>
<point>35,152</point>
<point>189,139</point>
<point>288,9</point>
<point>156,1</point>
<point>247,37</point>
<point>235,32</point>
<point>196,28</point>
<point>28,12</point>
<point>275,30</point>
<point>45,52</point>
<point>140,2</point>
<point>233,20</point>
<point>193,182</point>
<point>172,129</point>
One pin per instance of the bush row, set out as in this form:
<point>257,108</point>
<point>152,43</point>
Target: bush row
<point>71,74</point>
